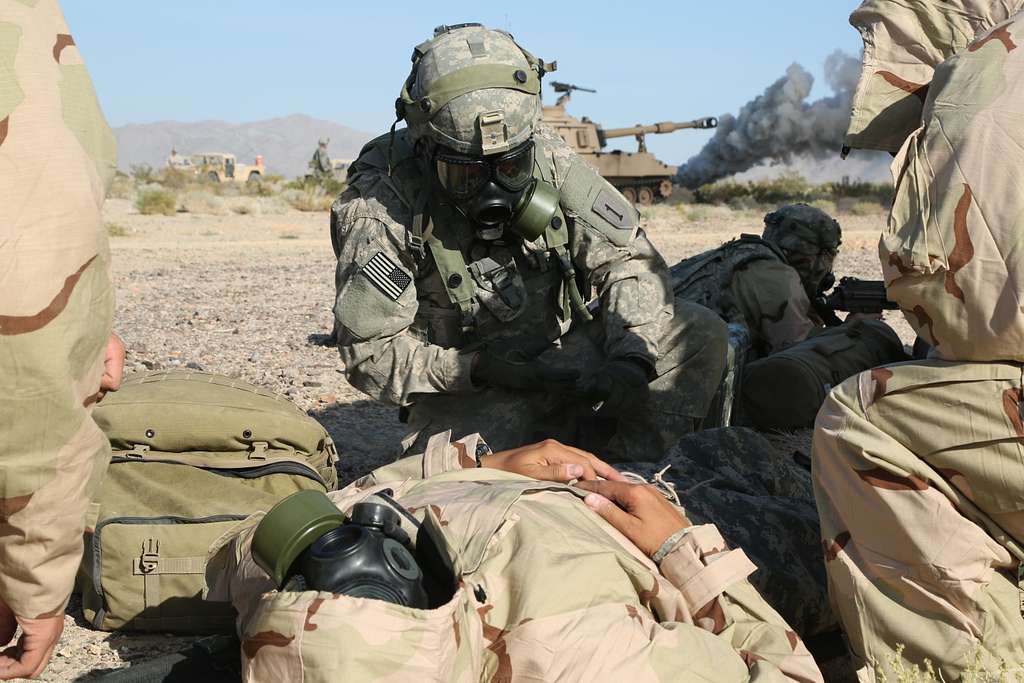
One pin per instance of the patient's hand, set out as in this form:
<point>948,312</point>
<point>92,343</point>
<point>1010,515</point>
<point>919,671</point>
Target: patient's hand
<point>637,511</point>
<point>551,461</point>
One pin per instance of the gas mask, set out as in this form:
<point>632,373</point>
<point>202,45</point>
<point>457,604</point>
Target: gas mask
<point>498,192</point>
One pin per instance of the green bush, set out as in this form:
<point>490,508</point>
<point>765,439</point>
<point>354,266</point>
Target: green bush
<point>156,201</point>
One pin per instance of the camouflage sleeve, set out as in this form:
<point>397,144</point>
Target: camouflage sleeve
<point>713,581</point>
<point>773,303</point>
<point>376,304</point>
<point>633,285</point>
<point>56,304</point>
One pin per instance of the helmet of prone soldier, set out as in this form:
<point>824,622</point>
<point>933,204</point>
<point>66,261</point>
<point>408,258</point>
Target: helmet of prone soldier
<point>810,239</point>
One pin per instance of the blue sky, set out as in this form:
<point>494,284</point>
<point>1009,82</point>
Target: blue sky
<point>345,61</point>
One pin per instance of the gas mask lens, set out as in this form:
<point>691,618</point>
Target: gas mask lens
<point>462,177</point>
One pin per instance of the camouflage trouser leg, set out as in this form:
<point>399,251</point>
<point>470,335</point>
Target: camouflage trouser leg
<point>919,477</point>
<point>689,370</point>
<point>52,454</point>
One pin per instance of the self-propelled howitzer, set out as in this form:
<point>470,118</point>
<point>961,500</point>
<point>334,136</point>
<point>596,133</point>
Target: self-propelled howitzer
<point>639,175</point>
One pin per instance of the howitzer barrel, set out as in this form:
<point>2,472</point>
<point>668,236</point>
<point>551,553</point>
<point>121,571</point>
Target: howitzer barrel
<point>662,127</point>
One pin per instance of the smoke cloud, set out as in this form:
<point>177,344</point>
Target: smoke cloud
<point>779,124</point>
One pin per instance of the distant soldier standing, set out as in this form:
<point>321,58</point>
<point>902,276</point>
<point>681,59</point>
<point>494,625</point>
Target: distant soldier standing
<point>919,467</point>
<point>320,164</point>
<point>56,306</point>
<point>468,245</point>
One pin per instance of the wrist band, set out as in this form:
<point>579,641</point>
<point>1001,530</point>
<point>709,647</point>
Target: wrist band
<point>669,545</point>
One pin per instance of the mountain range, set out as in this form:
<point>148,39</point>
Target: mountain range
<point>286,143</point>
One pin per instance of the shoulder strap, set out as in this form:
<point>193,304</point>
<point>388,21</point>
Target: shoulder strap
<point>450,265</point>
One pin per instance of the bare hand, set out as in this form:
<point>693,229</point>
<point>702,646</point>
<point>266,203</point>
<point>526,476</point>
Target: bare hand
<point>32,653</point>
<point>113,365</point>
<point>550,460</point>
<point>637,511</point>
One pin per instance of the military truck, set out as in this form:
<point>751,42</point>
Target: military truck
<point>639,175</point>
<point>221,167</point>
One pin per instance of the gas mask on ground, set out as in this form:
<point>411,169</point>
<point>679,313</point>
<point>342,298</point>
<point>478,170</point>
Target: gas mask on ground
<point>306,543</point>
<point>498,193</point>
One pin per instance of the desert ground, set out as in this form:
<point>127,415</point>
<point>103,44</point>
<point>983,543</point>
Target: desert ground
<point>251,295</point>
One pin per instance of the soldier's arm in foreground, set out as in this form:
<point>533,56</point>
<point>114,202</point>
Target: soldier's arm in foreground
<point>622,266</point>
<point>774,304</point>
<point>711,577</point>
<point>376,304</point>
<point>56,307</point>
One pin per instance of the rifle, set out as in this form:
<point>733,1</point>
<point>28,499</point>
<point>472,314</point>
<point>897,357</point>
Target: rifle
<point>852,295</point>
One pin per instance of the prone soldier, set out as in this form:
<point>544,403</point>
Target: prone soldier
<point>773,287</point>
<point>468,245</point>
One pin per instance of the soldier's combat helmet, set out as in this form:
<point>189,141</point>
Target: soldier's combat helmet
<point>809,238</point>
<point>472,90</point>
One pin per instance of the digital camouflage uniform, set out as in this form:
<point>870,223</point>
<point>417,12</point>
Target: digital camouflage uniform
<point>919,467</point>
<point>547,591</point>
<point>747,281</point>
<point>320,164</point>
<point>56,304</point>
<point>408,323</point>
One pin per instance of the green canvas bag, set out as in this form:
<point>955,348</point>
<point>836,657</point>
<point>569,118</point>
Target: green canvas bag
<point>786,389</point>
<point>193,454</point>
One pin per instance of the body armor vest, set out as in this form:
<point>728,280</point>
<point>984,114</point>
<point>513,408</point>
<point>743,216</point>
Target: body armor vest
<point>706,278</point>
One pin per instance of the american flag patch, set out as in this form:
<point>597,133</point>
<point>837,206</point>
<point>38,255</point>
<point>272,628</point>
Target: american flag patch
<point>386,275</point>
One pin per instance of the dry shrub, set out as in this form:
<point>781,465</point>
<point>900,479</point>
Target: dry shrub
<point>122,187</point>
<point>314,199</point>
<point>117,230</point>
<point>154,200</point>
<point>201,201</point>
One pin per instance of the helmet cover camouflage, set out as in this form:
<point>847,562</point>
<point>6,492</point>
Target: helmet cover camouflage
<point>808,237</point>
<point>507,113</point>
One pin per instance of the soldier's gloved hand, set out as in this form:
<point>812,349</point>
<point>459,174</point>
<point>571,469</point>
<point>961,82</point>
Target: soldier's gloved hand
<point>637,511</point>
<point>493,368</point>
<point>619,387</point>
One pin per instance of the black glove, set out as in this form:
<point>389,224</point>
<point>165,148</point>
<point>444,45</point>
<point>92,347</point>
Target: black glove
<point>620,387</point>
<point>513,371</point>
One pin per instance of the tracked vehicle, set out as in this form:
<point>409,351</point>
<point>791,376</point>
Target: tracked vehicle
<point>639,175</point>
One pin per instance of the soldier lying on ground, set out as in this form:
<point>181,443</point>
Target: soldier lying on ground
<point>601,580</point>
<point>767,285</point>
<point>467,246</point>
<point>919,467</point>
<point>56,309</point>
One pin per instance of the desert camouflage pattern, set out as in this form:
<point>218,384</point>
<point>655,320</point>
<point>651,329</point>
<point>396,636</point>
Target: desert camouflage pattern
<point>413,350</point>
<point>917,467</point>
<point>903,44</point>
<point>747,281</point>
<point>456,125</point>
<point>733,475</point>
<point>917,471</point>
<point>56,303</point>
<point>582,604</point>
<point>949,250</point>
